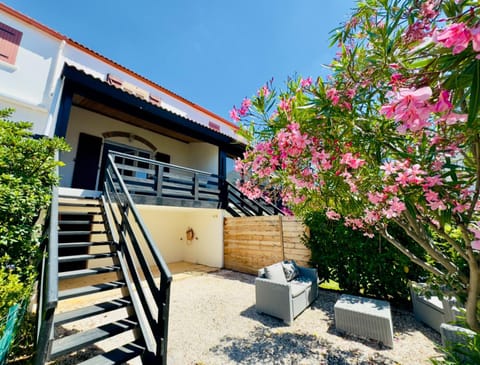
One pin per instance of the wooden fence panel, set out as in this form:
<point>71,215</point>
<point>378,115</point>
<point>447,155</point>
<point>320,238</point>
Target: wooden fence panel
<point>251,243</point>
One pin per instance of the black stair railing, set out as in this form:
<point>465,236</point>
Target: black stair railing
<point>238,204</point>
<point>47,290</point>
<point>141,263</point>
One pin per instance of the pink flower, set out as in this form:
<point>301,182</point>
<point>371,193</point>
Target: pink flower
<point>456,36</point>
<point>396,206</point>
<point>475,32</point>
<point>396,79</point>
<point>376,198</point>
<point>371,216</point>
<point>234,115</point>
<point>443,104</point>
<point>332,215</point>
<point>351,93</point>
<point>410,108</point>
<point>431,196</point>
<point>437,205</point>
<point>460,208</point>
<point>431,181</point>
<point>285,105</point>
<point>476,242</point>
<point>332,94</point>
<point>245,106</point>
<point>304,83</point>
<point>352,161</point>
<point>264,91</point>
<point>453,118</point>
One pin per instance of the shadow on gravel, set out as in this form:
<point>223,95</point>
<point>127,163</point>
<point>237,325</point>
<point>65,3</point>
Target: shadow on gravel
<point>263,346</point>
<point>265,319</point>
<point>234,275</point>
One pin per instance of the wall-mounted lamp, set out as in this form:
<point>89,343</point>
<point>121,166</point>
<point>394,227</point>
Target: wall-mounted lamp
<point>190,234</point>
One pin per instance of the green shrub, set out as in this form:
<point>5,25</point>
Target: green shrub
<point>460,353</point>
<point>360,265</point>
<point>27,173</point>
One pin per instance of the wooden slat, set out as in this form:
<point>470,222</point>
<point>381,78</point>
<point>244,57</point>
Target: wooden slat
<point>251,243</point>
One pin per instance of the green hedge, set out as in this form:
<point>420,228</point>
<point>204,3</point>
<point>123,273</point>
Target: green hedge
<point>27,173</point>
<point>360,265</point>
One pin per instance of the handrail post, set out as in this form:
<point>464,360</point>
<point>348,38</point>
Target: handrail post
<point>49,285</point>
<point>224,192</point>
<point>159,175</point>
<point>196,185</point>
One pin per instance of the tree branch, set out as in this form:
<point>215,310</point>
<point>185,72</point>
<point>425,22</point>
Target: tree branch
<point>432,269</point>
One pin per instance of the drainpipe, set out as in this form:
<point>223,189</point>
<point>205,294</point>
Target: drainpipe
<point>53,91</point>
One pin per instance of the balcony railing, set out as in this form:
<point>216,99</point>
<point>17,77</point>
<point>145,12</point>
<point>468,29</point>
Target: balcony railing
<point>157,183</point>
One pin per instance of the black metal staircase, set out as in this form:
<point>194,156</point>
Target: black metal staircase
<point>95,306</point>
<point>88,267</point>
<point>104,288</point>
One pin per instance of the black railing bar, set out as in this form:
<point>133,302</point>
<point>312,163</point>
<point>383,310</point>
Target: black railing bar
<point>159,261</point>
<point>242,208</point>
<point>140,290</point>
<point>141,258</point>
<point>145,170</point>
<point>275,209</point>
<point>52,268</point>
<point>163,322</point>
<point>154,162</point>
<point>172,177</point>
<point>112,184</point>
<point>135,302</point>
<point>109,216</point>
<point>246,203</point>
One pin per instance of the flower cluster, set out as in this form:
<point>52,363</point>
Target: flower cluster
<point>237,114</point>
<point>458,37</point>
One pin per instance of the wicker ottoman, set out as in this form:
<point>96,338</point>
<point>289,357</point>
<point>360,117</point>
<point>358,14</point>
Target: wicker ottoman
<point>369,318</point>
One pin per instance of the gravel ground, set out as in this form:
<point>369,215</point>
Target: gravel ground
<point>213,321</point>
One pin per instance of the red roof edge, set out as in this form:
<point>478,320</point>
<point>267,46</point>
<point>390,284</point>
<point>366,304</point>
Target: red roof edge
<point>60,36</point>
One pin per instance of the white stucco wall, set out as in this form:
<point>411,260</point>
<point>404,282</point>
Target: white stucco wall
<point>204,156</point>
<point>199,156</point>
<point>29,85</point>
<point>168,225</point>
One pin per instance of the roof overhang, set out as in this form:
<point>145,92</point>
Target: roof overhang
<point>99,96</point>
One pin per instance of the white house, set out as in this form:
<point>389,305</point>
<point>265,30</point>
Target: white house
<point>69,90</point>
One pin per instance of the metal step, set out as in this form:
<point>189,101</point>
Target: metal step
<point>79,233</point>
<point>77,204</point>
<point>91,289</point>
<point>79,212</point>
<point>79,222</point>
<point>68,344</point>
<point>90,311</point>
<point>84,257</point>
<point>84,244</point>
<point>86,272</point>
<point>117,356</point>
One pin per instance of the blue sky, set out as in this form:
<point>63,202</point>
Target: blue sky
<point>212,52</point>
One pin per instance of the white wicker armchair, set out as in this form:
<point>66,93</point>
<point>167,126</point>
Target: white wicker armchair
<point>285,294</point>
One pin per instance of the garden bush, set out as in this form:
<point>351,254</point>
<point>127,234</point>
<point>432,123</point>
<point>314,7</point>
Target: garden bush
<point>359,264</point>
<point>27,173</point>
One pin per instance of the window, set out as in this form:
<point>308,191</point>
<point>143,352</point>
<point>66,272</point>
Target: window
<point>10,39</point>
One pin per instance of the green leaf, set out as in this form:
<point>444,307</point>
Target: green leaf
<point>474,96</point>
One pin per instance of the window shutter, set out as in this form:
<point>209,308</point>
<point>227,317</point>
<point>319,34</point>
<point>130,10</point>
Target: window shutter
<point>10,39</point>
